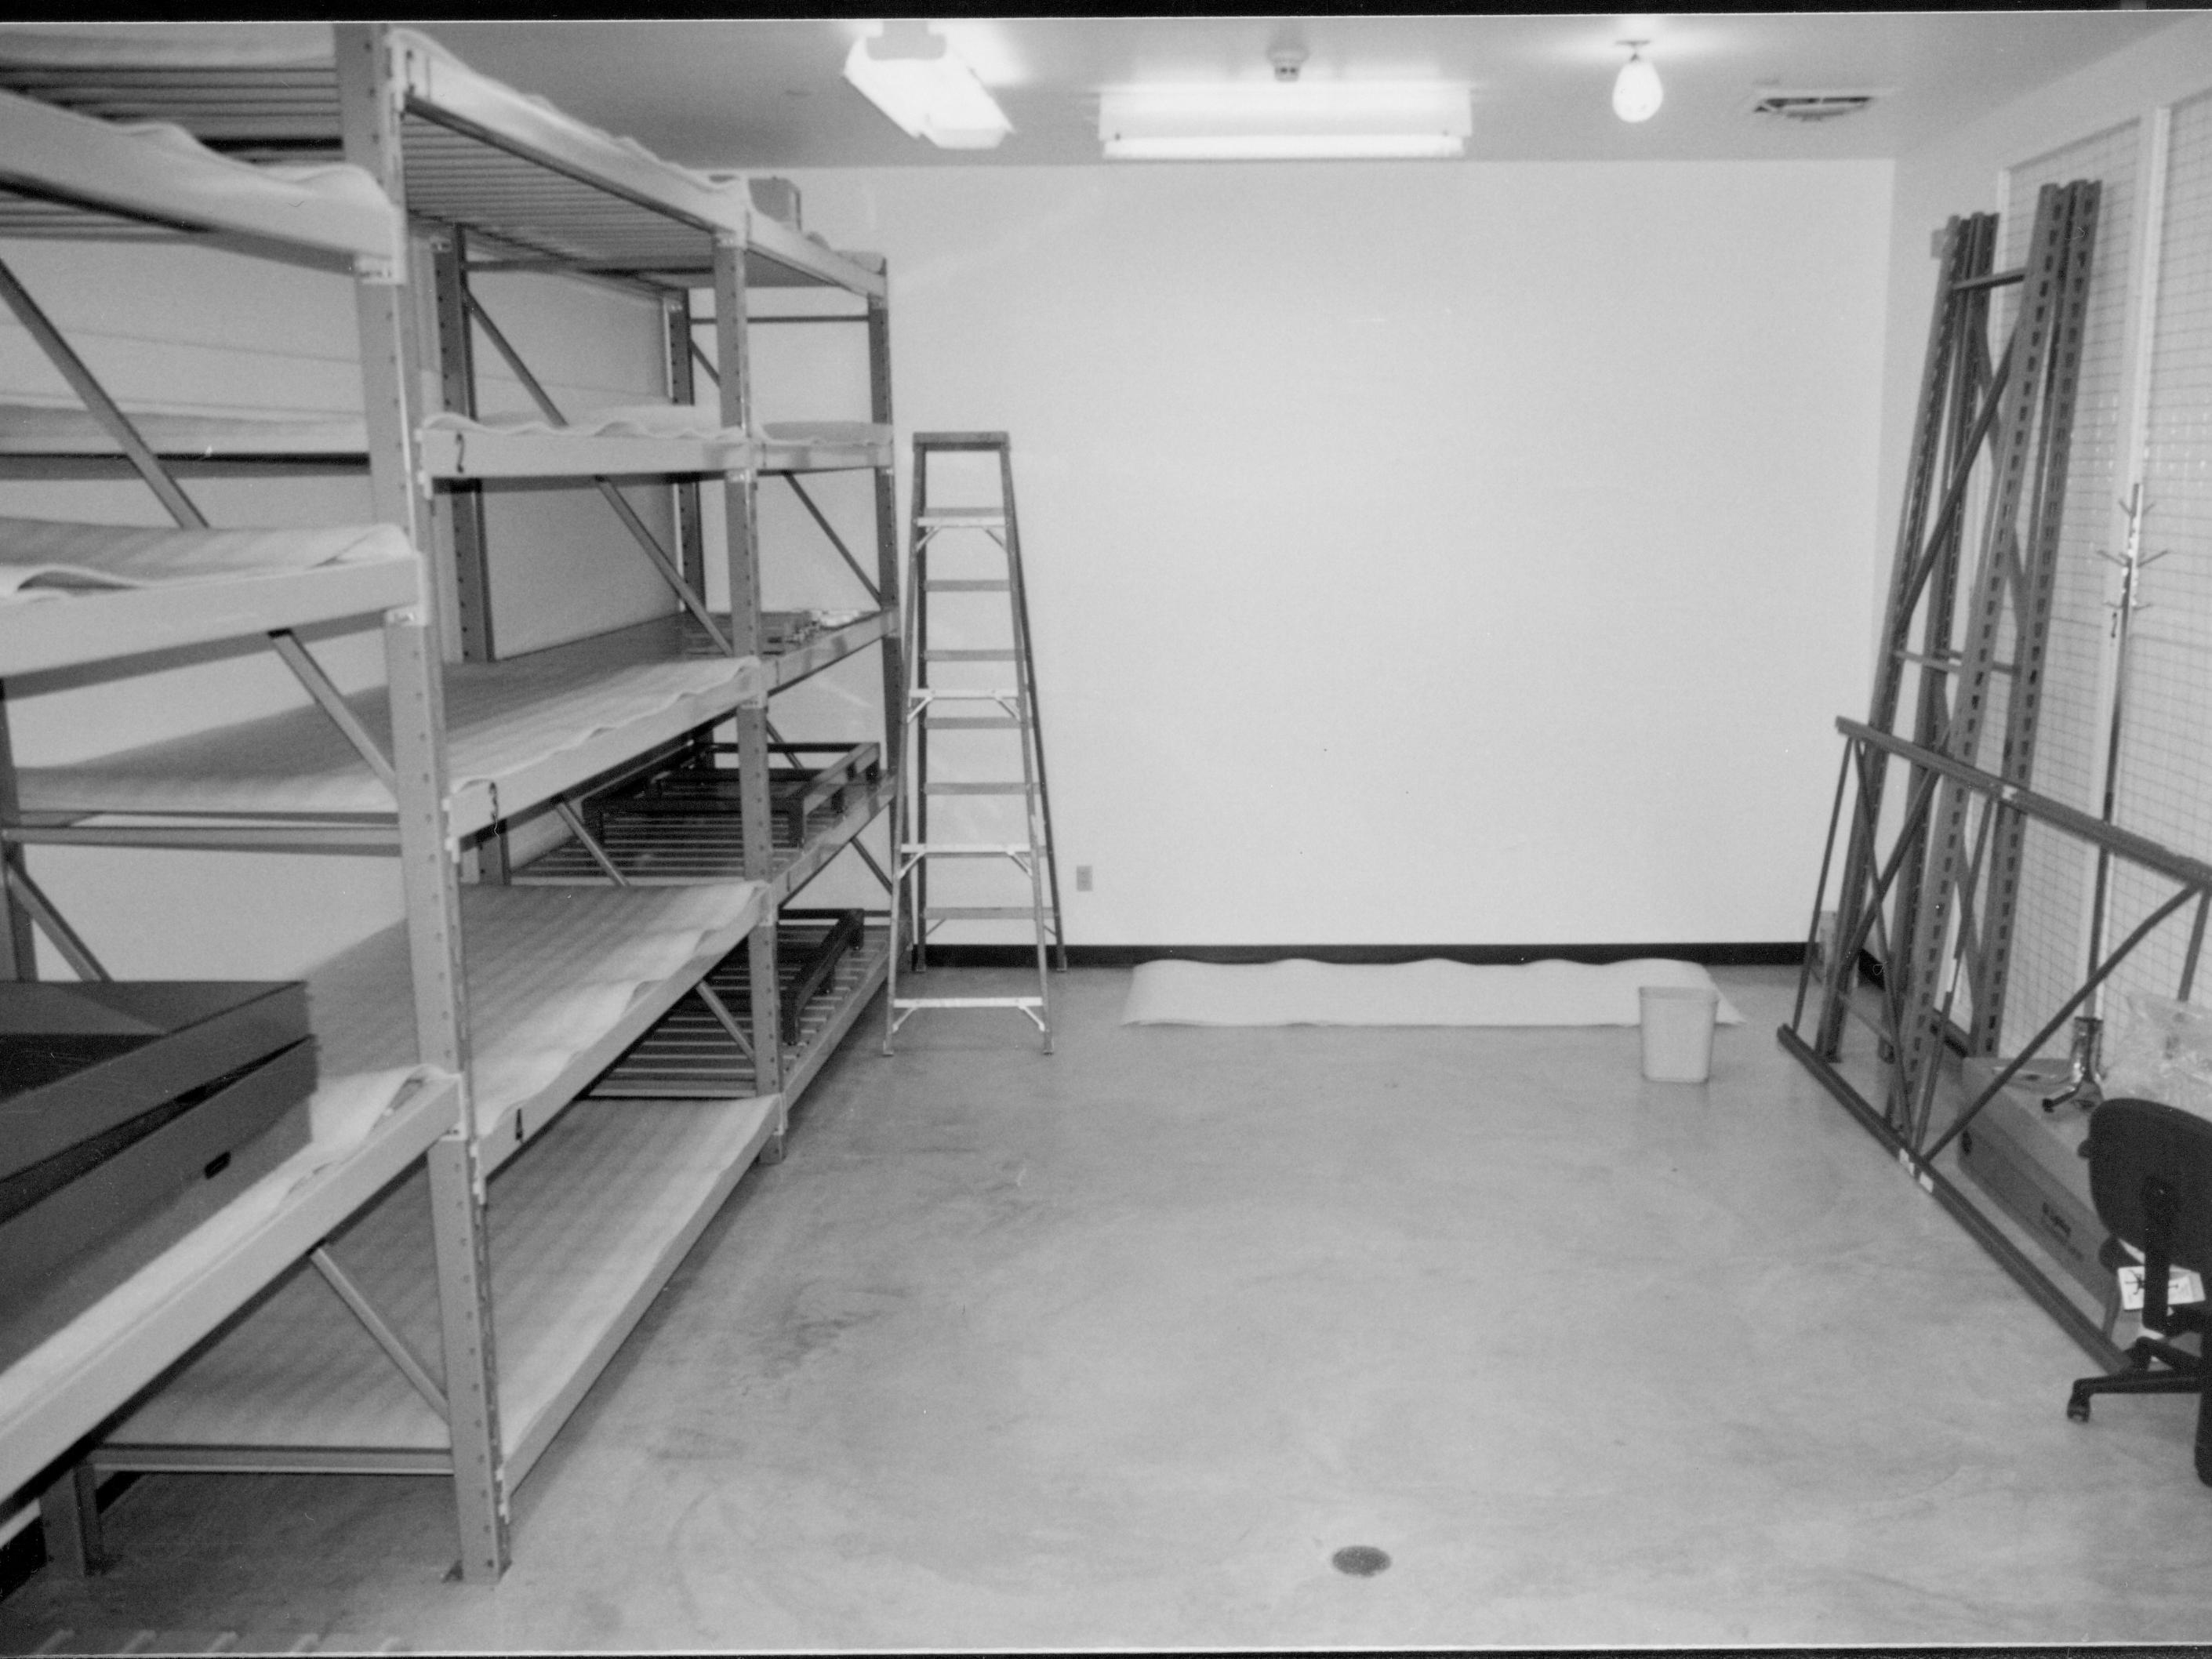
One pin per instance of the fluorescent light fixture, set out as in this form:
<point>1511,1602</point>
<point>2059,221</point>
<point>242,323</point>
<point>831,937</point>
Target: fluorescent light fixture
<point>912,74</point>
<point>1636,91</point>
<point>1298,120</point>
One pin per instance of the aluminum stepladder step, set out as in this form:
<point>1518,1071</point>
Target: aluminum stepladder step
<point>990,686</point>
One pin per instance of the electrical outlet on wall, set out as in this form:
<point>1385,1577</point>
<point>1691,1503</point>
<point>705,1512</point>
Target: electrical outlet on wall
<point>1082,878</point>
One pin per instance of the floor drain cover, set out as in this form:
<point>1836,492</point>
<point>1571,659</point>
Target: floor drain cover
<point>1360,1560</point>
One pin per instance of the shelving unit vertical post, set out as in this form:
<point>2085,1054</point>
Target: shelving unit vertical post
<point>17,945</point>
<point>460,506</point>
<point>684,388</point>
<point>741,508</point>
<point>887,546</point>
<point>369,119</point>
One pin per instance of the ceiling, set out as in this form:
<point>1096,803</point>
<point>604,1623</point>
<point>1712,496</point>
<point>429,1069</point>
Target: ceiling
<point>770,94</point>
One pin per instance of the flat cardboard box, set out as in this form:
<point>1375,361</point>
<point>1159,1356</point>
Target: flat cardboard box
<point>2029,1161</point>
<point>76,1061</point>
<point>76,1244</point>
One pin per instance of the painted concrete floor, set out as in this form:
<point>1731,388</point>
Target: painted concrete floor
<point>1117,1347</point>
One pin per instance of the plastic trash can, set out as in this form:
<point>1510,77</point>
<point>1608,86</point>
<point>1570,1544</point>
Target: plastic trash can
<point>1678,1031</point>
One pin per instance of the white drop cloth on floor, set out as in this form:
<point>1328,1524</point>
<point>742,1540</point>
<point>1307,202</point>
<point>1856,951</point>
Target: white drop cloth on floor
<point>1299,992</point>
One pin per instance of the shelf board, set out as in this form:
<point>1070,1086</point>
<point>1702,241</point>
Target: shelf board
<point>559,980</point>
<point>518,733</point>
<point>787,668</point>
<point>780,257</point>
<point>490,454</point>
<point>90,1368</point>
<point>688,1053</point>
<point>584,1232</point>
<point>101,625</point>
<point>39,440</point>
<point>824,447</point>
<point>78,177</point>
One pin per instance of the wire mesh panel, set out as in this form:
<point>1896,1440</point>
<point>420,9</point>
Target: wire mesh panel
<point>2165,787</point>
<point>2052,918</point>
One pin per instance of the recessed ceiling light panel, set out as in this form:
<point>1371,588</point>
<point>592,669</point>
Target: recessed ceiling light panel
<point>1284,120</point>
<point>911,73</point>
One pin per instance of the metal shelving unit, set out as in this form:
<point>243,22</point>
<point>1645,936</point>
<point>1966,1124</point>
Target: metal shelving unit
<point>83,1354</point>
<point>586,1204</point>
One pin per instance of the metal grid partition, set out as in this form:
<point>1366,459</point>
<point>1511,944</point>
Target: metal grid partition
<point>2165,787</point>
<point>2051,919</point>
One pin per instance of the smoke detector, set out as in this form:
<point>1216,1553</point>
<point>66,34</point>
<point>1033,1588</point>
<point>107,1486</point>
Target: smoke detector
<point>1809,107</point>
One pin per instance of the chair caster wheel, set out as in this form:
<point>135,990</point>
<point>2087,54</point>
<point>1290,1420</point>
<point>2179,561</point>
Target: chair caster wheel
<point>2078,1410</point>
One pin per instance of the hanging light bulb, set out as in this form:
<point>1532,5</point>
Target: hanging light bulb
<point>1637,92</point>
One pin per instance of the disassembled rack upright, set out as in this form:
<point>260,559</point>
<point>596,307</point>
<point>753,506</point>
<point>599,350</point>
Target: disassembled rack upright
<point>1930,885</point>
<point>1954,874</point>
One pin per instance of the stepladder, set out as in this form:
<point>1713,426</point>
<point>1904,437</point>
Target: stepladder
<point>973,840</point>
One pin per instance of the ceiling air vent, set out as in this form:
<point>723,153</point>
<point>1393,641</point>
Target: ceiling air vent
<point>1810,107</point>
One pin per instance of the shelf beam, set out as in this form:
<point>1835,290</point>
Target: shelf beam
<point>740,502</point>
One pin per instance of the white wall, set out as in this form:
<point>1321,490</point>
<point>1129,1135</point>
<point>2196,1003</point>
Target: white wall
<point>1419,553</point>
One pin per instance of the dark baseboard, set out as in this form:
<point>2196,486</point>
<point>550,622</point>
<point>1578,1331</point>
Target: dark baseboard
<point>1752,955</point>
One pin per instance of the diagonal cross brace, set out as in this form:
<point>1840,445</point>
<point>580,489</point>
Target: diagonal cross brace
<point>2056,1023</point>
<point>590,842</point>
<point>33,899</point>
<point>103,408</point>
<point>328,698</point>
<point>396,1346</point>
<point>179,505</point>
<point>640,531</point>
<point>724,1017</point>
<point>835,540</point>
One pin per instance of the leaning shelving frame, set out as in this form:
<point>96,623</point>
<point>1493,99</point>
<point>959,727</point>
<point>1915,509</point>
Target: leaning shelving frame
<point>80,1363</point>
<point>493,181</point>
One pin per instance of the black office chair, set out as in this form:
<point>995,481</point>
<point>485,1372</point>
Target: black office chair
<point>2150,1176</point>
